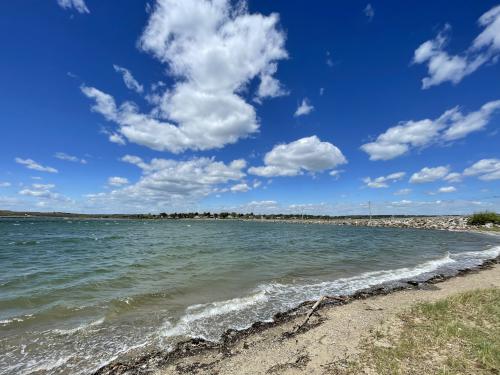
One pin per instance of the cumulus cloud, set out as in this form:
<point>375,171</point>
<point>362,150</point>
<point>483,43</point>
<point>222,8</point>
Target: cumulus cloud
<point>369,12</point>
<point>64,156</point>
<point>485,169</point>
<point>166,183</point>
<point>447,189</point>
<point>453,177</point>
<point>383,181</point>
<point>240,188</point>
<point>450,126</point>
<point>269,86</point>
<point>304,108</point>
<point>213,50</point>
<point>129,79</point>
<point>427,174</point>
<point>306,154</point>
<point>443,67</point>
<point>117,138</point>
<point>335,173</point>
<point>44,193</point>
<point>78,5</point>
<point>117,181</point>
<point>31,164</point>
<point>4,184</point>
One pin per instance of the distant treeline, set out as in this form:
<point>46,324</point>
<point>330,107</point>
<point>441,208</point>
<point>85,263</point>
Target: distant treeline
<point>201,215</point>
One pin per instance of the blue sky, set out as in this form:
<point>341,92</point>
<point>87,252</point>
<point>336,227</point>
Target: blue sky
<point>263,106</point>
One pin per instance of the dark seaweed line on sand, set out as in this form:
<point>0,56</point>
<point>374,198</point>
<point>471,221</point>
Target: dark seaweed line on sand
<point>147,364</point>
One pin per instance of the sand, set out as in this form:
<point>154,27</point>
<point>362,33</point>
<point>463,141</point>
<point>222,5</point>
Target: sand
<point>333,333</point>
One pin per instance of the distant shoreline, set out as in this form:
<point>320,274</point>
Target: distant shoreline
<point>438,222</point>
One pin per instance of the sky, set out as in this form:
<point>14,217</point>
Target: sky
<point>250,106</point>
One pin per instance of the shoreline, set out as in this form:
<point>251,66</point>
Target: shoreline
<point>149,363</point>
<point>437,222</point>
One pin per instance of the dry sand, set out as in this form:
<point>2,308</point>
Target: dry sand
<point>333,333</point>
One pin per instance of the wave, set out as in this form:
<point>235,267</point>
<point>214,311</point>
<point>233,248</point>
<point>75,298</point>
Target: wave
<point>196,314</point>
<point>210,320</point>
<point>15,319</point>
<point>78,329</point>
<point>49,365</point>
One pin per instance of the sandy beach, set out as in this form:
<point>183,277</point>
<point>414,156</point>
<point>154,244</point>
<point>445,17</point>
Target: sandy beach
<point>333,335</point>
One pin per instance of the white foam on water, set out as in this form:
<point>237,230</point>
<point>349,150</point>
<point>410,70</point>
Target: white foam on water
<point>200,320</point>
<point>47,365</point>
<point>482,255</point>
<point>15,319</point>
<point>80,328</point>
<point>200,312</point>
<point>298,293</point>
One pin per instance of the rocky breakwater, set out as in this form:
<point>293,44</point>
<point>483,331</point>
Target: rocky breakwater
<point>424,222</point>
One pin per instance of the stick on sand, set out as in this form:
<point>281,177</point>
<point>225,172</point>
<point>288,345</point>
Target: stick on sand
<point>315,306</point>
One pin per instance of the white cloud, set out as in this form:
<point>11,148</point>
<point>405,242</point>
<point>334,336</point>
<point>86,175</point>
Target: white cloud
<point>453,177</point>
<point>129,79</point>
<point>306,154</point>
<point>402,192</point>
<point>117,181</point>
<point>383,181</point>
<point>117,138</point>
<point>64,156</point>
<point>485,169</point>
<point>329,60</point>
<point>403,202</point>
<point>31,164</point>
<point>369,12</point>
<point>269,86</point>
<point>304,108</point>
<point>256,184</point>
<point>447,189</point>
<point>443,67</point>
<point>167,183</point>
<point>258,207</point>
<point>4,184</point>
<point>461,125</point>
<point>335,173</point>
<point>213,50</point>
<point>450,126</point>
<point>240,188</point>
<point>263,203</point>
<point>78,5</point>
<point>427,174</point>
<point>43,186</point>
<point>44,192</point>
<point>36,193</point>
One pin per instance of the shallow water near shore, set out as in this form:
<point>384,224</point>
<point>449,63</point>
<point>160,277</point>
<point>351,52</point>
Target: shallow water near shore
<point>75,294</point>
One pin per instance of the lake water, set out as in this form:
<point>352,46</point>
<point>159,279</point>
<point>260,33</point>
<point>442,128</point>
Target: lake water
<point>75,294</point>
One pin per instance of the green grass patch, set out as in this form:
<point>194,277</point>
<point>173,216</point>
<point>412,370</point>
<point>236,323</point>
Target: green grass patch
<point>481,218</point>
<point>457,335</point>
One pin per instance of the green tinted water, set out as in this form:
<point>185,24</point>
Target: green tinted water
<point>74,294</point>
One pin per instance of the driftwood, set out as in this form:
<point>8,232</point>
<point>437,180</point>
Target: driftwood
<point>315,306</point>
<point>341,299</point>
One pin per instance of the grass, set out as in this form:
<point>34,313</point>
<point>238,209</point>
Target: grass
<point>457,335</point>
<point>481,218</point>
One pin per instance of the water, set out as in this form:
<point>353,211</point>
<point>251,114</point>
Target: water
<point>75,294</point>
